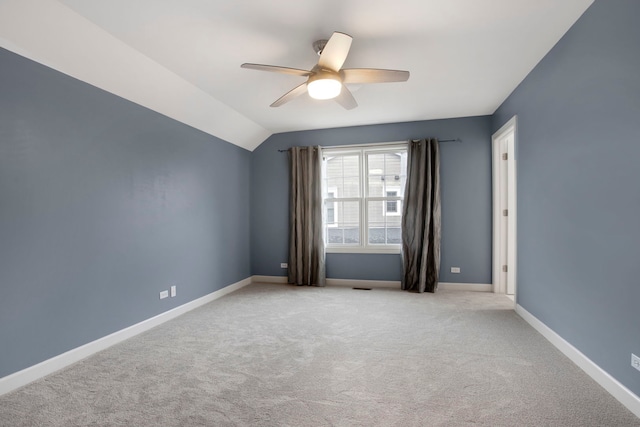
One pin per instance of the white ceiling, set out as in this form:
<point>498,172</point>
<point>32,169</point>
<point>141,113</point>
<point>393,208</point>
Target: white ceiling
<point>182,57</point>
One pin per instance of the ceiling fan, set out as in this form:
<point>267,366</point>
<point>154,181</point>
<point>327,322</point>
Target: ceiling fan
<point>327,79</point>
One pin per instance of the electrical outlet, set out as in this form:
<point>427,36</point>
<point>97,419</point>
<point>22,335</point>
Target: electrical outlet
<point>635,361</point>
<point>173,291</point>
<point>164,294</point>
<point>284,265</point>
<point>455,269</point>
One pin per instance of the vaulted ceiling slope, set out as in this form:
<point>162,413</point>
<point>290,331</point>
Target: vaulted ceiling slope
<point>182,58</point>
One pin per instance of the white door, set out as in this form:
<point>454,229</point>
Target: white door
<point>504,209</point>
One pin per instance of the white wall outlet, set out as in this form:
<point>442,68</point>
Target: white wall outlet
<point>164,294</point>
<point>284,265</point>
<point>635,361</point>
<point>173,291</point>
<point>455,269</point>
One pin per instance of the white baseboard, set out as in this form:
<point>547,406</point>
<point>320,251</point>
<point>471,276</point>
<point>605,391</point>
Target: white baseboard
<point>49,366</point>
<point>477,287</point>
<point>474,287</point>
<point>269,279</point>
<point>613,386</point>
<point>373,284</point>
<point>331,282</point>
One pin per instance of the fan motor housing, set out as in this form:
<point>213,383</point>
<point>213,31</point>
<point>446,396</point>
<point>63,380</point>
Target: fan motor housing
<point>319,45</point>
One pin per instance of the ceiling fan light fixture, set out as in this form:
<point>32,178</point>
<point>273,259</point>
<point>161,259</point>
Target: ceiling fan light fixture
<point>324,86</point>
<point>327,79</point>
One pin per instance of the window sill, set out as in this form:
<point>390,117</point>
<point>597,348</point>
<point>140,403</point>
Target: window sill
<point>363,250</point>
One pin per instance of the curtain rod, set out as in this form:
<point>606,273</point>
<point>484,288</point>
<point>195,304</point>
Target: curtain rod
<point>383,143</point>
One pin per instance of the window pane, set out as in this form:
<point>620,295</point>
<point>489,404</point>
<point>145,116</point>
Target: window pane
<point>385,172</point>
<point>394,235</point>
<point>383,228</point>
<point>351,186</point>
<point>376,185</point>
<point>392,183</point>
<point>375,171</point>
<point>333,186</point>
<point>343,175</point>
<point>346,229</point>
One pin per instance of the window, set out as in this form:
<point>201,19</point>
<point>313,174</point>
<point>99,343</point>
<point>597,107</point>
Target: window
<point>362,197</point>
<point>392,203</point>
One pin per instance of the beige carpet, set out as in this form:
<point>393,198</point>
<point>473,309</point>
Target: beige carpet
<point>276,355</point>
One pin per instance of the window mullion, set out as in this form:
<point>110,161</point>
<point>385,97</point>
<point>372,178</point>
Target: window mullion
<point>343,199</point>
<point>382,199</point>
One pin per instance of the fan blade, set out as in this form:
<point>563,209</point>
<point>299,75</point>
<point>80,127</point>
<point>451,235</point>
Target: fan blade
<point>373,75</point>
<point>335,51</point>
<point>293,93</point>
<point>346,99</point>
<point>276,69</point>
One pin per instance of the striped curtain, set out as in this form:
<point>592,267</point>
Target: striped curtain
<point>306,242</point>
<point>421,217</point>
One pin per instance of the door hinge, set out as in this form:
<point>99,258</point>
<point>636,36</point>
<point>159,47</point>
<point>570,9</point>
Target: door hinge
<point>505,156</point>
<point>504,268</point>
<point>505,212</point>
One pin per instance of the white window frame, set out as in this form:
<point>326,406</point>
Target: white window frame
<point>364,199</point>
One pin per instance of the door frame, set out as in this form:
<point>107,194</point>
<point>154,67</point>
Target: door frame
<point>509,167</point>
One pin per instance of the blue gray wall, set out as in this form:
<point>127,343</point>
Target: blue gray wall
<point>466,199</point>
<point>579,187</point>
<point>103,204</point>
